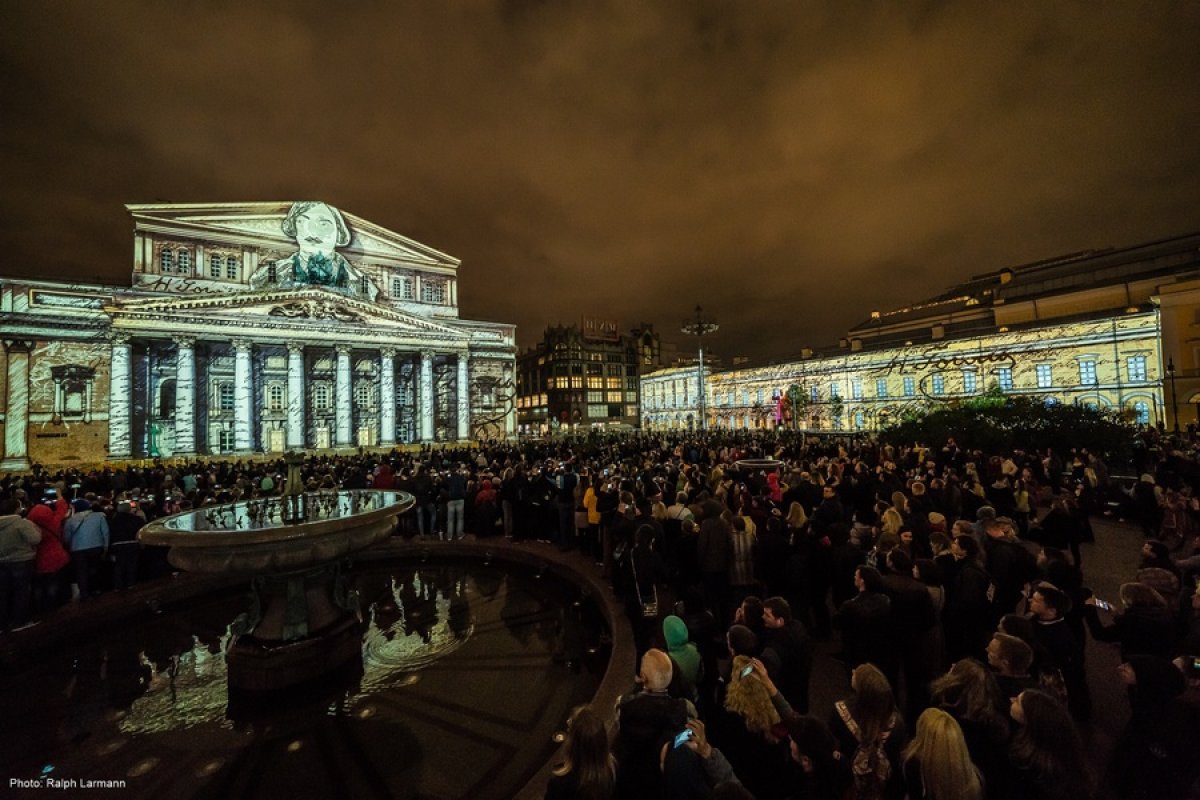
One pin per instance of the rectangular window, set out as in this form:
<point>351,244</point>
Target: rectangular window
<point>814,394</point>
<point>1136,366</point>
<point>970,382</point>
<point>232,268</point>
<point>402,288</point>
<point>225,396</point>
<point>1045,376</point>
<point>939,384</point>
<point>1087,372</point>
<point>856,389</point>
<point>597,411</point>
<point>1004,379</point>
<point>758,397</point>
<point>910,386</point>
<point>881,387</point>
<point>835,391</point>
<point>433,291</point>
<point>214,266</point>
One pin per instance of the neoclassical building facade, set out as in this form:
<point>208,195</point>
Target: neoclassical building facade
<point>250,328</point>
<point>1117,328</point>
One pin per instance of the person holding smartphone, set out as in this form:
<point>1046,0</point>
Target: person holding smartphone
<point>1146,626</point>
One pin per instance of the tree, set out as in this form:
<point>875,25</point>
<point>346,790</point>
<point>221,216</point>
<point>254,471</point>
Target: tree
<point>995,422</point>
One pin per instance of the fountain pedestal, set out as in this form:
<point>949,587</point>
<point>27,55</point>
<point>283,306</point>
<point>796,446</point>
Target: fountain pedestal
<point>303,621</point>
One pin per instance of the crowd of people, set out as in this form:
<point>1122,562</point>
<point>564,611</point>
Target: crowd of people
<point>950,581</point>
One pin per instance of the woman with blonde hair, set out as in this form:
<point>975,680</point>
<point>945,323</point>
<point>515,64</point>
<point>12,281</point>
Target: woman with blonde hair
<point>891,521</point>
<point>588,768</point>
<point>796,518</point>
<point>937,765</point>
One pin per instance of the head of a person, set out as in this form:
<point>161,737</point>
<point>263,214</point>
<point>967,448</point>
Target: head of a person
<point>939,542</point>
<point>10,506</point>
<point>984,513</point>
<point>777,612</point>
<point>656,670</point>
<point>317,227</point>
<point>752,612</point>
<point>1047,741</point>
<point>1009,655</point>
<point>868,579</point>
<point>586,749</point>
<point>1155,552</point>
<point>899,562</point>
<point>811,744</point>
<point>927,571</point>
<point>1049,602</point>
<point>748,698</point>
<point>941,749</point>
<point>876,702</point>
<point>969,689</point>
<point>965,548</point>
<point>1140,595</point>
<point>675,632</point>
<point>741,641</point>
<point>645,536</point>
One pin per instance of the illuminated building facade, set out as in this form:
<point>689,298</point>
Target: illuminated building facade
<point>250,328</point>
<point>584,376</point>
<point>669,398</point>
<point>1089,328</point>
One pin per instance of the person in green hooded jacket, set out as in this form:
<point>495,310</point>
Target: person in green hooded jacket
<point>683,652</point>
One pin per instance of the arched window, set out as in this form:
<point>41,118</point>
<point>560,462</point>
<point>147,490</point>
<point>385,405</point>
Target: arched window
<point>276,397</point>
<point>232,263</point>
<point>166,398</point>
<point>166,261</point>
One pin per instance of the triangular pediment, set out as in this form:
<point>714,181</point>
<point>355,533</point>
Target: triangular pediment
<point>261,224</point>
<point>310,304</point>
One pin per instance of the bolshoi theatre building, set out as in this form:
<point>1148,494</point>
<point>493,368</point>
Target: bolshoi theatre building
<point>250,328</point>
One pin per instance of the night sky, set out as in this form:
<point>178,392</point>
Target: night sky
<point>790,165</point>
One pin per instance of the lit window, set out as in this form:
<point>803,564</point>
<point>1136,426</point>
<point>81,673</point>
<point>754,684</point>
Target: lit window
<point>1137,368</point>
<point>881,387</point>
<point>1004,379</point>
<point>166,261</point>
<point>835,391</point>
<point>215,263</point>
<point>183,262</point>
<point>745,397</point>
<point>939,384</point>
<point>275,397</point>
<point>1087,372</point>
<point>225,396</point>
<point>814,394</point>
<point>402,288</point>
<point>232,264</point>
<point>614,397</point>
<point>759,397</point>
<point>859,420</point>
<point>1045,376</point>
<point>1141,412</point>
<point>856,389</point>
<point>910,386</point>
<point>970,382</point>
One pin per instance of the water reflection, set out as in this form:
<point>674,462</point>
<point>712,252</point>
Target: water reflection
<point>275,512</point>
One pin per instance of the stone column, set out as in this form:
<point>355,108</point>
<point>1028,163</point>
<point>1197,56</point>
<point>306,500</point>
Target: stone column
<point>185,395</point>
<point>342,400</point>
<point>16,419</point>
<point>119,387</point>
<point>426,396</point>
<point>295,397</point>
<point>463,395</point>
<point>387,396</point>
<point>243,396</point>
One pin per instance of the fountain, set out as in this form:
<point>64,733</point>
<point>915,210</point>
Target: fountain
<point>303,621</point>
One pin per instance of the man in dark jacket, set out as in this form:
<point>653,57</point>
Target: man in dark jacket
<point>123,544</point>
<point>714,549</point>
<point>1009,564</point>
<point>912,617</point>
<point>646,720</point>
<point>788,652</point>
<point>968,613</point>
<point>865,621</point>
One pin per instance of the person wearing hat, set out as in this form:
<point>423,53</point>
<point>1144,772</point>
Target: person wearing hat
<point>86,537</point>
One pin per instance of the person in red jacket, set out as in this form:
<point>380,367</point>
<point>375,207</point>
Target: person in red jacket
<point>50,516</point>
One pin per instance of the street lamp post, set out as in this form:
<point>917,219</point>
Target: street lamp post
<point>1174,401</point>
<point>700,325</point>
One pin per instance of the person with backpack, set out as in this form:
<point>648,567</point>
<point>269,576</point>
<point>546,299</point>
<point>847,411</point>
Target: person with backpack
<point>872,735</point>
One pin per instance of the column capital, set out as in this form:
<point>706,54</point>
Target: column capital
<point>388,352</point>
<point>18,345</point>
<point>118,338</point>
<point>182,340</point>
<point>295,348</point>
<point>343,349</point>
<point>242,345</point>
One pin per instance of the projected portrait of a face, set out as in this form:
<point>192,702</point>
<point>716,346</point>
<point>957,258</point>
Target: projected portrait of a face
<point>318,230</point>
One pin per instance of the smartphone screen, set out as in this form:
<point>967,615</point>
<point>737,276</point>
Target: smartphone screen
<point>746,670</point>
<point>683,736</point>
<point>1104,604</point>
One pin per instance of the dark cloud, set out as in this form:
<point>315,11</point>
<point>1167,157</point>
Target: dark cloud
<point>789,166</point>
